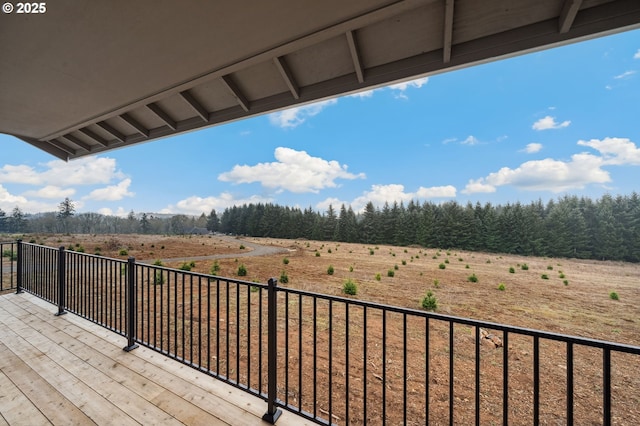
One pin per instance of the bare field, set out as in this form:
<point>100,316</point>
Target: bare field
<point>582,307</point>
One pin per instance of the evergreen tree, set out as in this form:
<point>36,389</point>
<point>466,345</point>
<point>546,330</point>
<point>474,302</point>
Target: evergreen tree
<point>66,210</point>
<point>3,221</point>
<point>144,224</point>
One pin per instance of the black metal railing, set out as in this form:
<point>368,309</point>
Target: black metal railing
<point>8,265</point>
<point>337,360</point>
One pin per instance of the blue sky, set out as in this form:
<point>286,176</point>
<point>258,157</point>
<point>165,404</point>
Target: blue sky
<point>541,125</point>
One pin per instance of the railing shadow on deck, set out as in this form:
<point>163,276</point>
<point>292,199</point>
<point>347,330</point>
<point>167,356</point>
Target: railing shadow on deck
<point>337,360</point>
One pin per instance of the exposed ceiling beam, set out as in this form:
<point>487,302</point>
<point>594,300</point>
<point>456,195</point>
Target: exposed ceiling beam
<point>162,115</point>
<point>355,56</point>
<point>133,123</point>
<point>195,105</point>
<point>287,76</point>
<point>78,142</point>
<point>47,147</point>
<point>93,136</point>
<point>63,147</point>
<point>568,15</point>
<point>236,92</point>
<point>107,128</point>
<point>448,31</point>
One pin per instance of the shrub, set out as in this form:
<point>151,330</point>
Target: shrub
<point>329,251</point>
<point>550,268</point>
<point>80,249</point>
<point>192,264</point>
<point>544,276</point>
<point>371,252</point>
<point>614,296</point>
<point>158,278</point>
<point>215,268</point>
<point>436,283</point>
<point>501,287</point>
<point>434,257</point>
<point>122,252</point>
<point>460,259</point>
<point>512,270</point>
<point>472,278</point>
<point>285,261</point>
<point>12,255</point>
<point>562,275</point>
<point>350,268</point>
<point>404,262</point>
<point>242,270</point>
<point>488,260</point>
<point>317,254</point>
<point>466,266</point>
<point>429,302</point>
<point>378,277</point>
<point>390,273</point>
<point>158,262</point>
<point>350,287</point>
<point>254,288</point>
<point>565,282</point>
<point>442,266</point>
<point>284,278</point>
<point>330,270</point>
<point>395,267</point>
<point>242,247</point>
<point>524,267</point>
<point>185,267</point>
<point>161,247</point>
<point>446,261</point>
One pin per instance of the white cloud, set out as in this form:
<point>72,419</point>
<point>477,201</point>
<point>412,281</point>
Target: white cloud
<point>380,194</point>
<point>470,140</point>
<point>624,75</point>
<point>295,116</point>
<point>112,192</point>
<point>637,55</point>
<point>557,176</point>
<point>10,201</point>
<point>363,94</point>
<point>532,148</point>
<point>336,203</point>
<point>417,83</point>
<point>549,122</point>
<point>52,192</point>
<point>295,171</point>
<point>545,175</point>
<point>85,171</point>
<point>120,212</point>
<point>195,205</point>
<point>615,151</point>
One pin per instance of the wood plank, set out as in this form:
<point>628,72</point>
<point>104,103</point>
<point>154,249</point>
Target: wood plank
<point>53,405</point>
<point>15,407</point>
<point>184,392</point>
<point>115,396</point>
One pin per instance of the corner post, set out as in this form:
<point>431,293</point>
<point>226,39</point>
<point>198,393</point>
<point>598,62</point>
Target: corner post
<point>273,413</point>
<point>19,267</point>
<point>131,305</point>
<point>62,276</point>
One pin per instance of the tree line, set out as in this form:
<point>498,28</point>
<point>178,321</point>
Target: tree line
<point>606,228</point>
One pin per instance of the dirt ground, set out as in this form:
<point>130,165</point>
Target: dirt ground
<point>573,299</point>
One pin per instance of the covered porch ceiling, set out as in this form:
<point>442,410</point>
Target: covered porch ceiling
<point>89,76</point>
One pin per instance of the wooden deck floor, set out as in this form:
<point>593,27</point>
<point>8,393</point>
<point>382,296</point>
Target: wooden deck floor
<point>66,370</point>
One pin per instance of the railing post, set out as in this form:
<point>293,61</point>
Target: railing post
<point>19,267</point>
<point>62,277</point>
<point>272,413</point>
<point>131,306</point>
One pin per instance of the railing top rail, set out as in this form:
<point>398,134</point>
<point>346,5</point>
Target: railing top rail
<point>620,347</point>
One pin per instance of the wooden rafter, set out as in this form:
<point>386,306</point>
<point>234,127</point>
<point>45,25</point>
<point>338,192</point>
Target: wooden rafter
<point>195,105</point>
<point>162,115</point>
<point>236,92</point>
<point>134,123</point>
<point>448,31</point>
<point>109,129</point>
<point>568,14</point>
<point>287,76</point>
<point>355,56</point>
